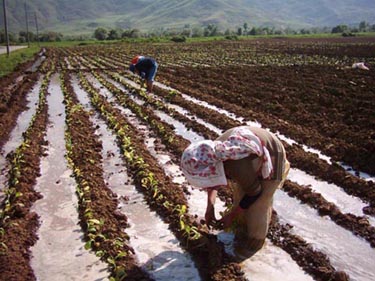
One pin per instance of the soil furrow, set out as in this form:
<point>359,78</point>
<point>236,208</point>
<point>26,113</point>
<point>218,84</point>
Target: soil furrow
<point>18,224</point>
<point>209,255</point>
<point>102,223</point>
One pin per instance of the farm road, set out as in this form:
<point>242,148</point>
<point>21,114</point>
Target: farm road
<point>3,49</point>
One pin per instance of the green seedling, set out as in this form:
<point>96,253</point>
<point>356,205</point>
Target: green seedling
<point>3,248</point>
<point>171,94</point>
<point>120,274</point>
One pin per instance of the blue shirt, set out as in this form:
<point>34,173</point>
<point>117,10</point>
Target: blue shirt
<point>146,67</point>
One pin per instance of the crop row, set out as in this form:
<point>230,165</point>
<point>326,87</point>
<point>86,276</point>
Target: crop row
<point>349,146</point>
<point>102,224</point>
<point>17,224</point>
<point>248,52</point>
<point>161,194</point>
<point>14,96</point>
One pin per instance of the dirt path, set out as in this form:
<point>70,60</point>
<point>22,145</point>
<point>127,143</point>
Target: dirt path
<point>3,49</point>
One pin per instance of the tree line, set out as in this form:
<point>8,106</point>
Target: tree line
<point>102,33</point>
<point>24,37</point>
<point>180,35</point>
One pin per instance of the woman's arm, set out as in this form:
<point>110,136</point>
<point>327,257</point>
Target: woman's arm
<point>245,203</point>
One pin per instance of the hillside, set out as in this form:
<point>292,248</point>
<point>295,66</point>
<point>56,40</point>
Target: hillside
<point>84,16</point>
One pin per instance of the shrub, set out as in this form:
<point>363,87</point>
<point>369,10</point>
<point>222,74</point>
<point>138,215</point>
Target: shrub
<point>231,37</point>
<point>178,39</point>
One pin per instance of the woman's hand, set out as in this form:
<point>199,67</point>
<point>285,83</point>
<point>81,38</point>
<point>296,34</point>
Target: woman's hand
<point>227,220</point>
<point>210,210</point>
<point>210,216</point>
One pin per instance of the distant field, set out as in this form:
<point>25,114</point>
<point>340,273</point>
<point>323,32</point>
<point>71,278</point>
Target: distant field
<point>7,64</point>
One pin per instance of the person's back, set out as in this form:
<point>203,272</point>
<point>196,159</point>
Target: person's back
<point>146,67</point>
<point>254,161</point>
<point>245,174</point>
<point>145,64</point>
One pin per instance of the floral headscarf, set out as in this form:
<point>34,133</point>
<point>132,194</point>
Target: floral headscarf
<point>202,162</point>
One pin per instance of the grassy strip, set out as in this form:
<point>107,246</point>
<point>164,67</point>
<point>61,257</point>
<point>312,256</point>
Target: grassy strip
<point>17,224</point>
<point>100,220</point>
<point>164,196</point>
<point>9,64</point>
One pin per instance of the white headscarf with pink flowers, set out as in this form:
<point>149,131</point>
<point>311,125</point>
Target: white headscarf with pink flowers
<point>202,162</point>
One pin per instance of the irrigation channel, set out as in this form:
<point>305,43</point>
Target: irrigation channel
<point>92,189</point>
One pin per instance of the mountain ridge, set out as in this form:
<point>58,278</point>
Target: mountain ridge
<point>85,15</point>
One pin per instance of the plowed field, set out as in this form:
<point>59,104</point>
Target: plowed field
<point>90,182</point>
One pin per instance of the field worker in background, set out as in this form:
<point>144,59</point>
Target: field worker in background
<point>146,67</point>
<point>254,162</point>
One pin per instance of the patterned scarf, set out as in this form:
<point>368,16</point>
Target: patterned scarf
<point>202,162</point>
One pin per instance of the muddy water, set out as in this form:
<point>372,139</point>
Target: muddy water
<point>179,128</point>
<point>23,119</point>
<point>156,248</point>
<point>346,251</point>
<point>59,253</point>
<point>331,192</point>
<point>173,106</point>
<point>195,118</point>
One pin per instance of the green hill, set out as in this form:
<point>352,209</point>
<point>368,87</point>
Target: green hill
<point>83,16</point>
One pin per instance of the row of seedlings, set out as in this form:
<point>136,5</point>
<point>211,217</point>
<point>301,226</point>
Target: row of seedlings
<point>161,193</point>
<point>313,262</point>
<point>18,225</point>
<point>148,99</point>
<point>102,223</point>
<point>13,102</point>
